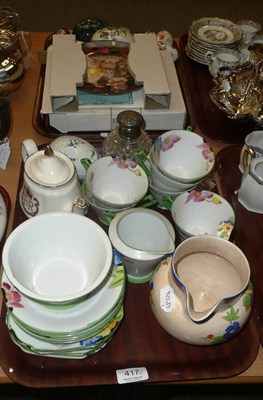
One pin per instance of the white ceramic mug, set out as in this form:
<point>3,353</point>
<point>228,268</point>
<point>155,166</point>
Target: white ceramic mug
<point>222,58</point>
<point>50,182</point>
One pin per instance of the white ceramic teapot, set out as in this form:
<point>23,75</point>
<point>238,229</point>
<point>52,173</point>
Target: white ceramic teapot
<point>50,182</point>
<point>203,294</point>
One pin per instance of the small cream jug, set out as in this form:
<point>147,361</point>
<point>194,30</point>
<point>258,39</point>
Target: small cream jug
<point>50,182</point>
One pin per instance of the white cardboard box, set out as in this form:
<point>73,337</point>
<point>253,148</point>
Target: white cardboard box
<point>60,90</point>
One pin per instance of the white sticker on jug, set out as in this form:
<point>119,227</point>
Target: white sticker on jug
<point>167,302</point>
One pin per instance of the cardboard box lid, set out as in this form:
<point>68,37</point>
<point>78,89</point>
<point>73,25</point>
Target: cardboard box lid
<point>67,70</point>
<point>146,66</point>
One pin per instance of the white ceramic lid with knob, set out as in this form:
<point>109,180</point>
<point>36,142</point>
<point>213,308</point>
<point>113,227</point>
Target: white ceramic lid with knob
<point>49,168</point>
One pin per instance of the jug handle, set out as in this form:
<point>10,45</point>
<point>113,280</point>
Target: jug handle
<point>247,152</point>
<point>4,118</point>
<point>28,147</point>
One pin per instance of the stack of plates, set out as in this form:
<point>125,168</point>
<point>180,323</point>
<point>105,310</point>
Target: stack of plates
<point>70,331</point>
<point>211,34</point>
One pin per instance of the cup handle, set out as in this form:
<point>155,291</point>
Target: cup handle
<point>209,57</point>
<point>149,201</point>
<point>140,157</point>
<point>28,147</point>
<point>86,163</point>
<point>107,217</point>
<point>168,202</point>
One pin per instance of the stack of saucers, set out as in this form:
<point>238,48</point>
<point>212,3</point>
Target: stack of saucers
<point>210,34</point>
<point>74,330</point>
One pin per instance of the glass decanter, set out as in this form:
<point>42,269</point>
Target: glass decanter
<point>128,138</point>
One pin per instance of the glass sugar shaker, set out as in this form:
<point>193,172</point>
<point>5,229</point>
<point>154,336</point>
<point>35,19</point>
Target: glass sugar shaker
<point>128,138</point>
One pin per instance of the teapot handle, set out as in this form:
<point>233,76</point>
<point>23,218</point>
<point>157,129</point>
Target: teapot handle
<point>28,147</point>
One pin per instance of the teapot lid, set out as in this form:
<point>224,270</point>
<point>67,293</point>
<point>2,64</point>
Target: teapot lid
<point>49,168</point>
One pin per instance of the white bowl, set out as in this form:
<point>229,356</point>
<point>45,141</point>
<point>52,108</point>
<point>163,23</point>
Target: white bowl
<point>57,257</point>
<point>163,182</point>
<point>183,155</point>
<point>202,213</point>
<point>116,183</point>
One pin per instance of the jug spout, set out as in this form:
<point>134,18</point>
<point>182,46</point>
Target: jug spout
<point>200,316</point>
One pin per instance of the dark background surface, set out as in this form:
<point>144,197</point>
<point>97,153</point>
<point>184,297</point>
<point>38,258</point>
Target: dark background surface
<point>138,15</point>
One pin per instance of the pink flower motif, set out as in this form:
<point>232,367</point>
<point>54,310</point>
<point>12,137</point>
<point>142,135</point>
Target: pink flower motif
<point>207,152</point>
<point>198,196</point>
<point>123,164</point>
<point>169,141</point>
<point>11,296</point>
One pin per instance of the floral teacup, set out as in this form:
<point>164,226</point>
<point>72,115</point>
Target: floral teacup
<point>202,213</point>
<point>183,156</point>
<point>116,183</point>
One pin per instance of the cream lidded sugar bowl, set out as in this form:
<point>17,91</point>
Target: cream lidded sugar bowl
<point>50,182</point>
<point>79,150</point>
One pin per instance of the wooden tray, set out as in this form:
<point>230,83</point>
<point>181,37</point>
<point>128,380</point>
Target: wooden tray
<point>41,122</point>
<point>139,342</point>
<point>249,225</point>
<point>7,201</point>
<point>196,82</point>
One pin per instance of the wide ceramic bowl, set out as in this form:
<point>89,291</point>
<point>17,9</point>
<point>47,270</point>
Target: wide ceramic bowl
<point>78,150</point>
<point>57,258</point>
<point>116,183</point>
<point>183,155</point>
<point>202,213</point>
